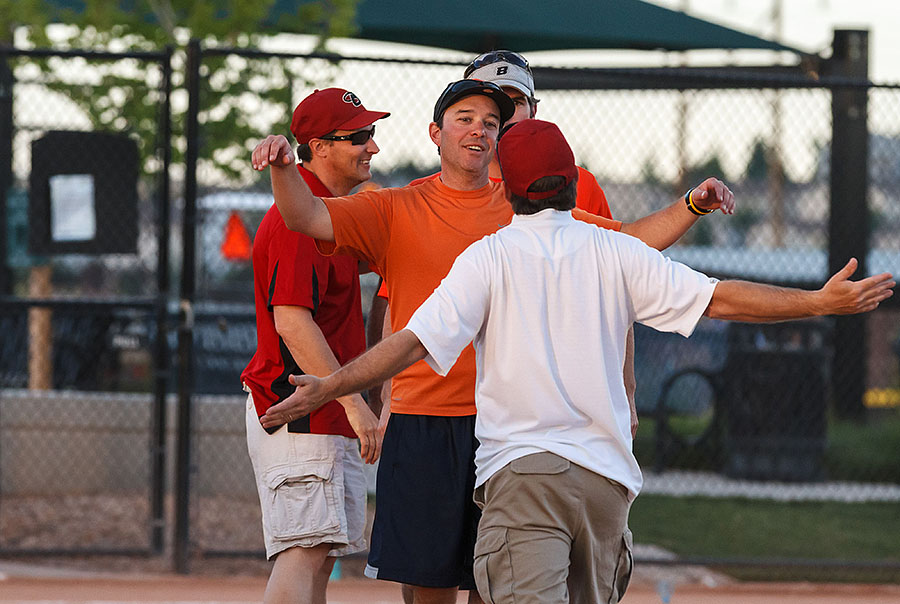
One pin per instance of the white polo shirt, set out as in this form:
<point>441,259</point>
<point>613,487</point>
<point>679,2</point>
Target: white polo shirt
<point>548,301</point>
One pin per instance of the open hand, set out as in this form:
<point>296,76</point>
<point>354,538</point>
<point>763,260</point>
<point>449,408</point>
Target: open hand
<point>311,394</point>
<point>306,398</point>
<point>844,297</point>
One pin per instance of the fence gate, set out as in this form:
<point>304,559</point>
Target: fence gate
<point>83,287</point>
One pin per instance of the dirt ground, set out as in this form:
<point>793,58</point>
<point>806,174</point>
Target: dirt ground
<point>166,588</point>
<point>236,581</point>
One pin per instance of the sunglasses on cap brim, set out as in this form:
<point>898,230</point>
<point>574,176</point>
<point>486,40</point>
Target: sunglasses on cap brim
<point>467,84</point>
<point>496,56</point>
<point>360,137</point>
<point>456,90</point>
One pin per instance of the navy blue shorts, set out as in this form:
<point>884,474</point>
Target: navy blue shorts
<point>425,520</point>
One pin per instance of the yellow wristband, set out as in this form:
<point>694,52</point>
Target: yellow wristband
<point>689,202</point>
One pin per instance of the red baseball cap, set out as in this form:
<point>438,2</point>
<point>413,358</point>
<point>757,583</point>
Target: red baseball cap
<point>530,150</point>
<point>328,110</point>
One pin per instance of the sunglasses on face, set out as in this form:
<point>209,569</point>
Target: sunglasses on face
<point>360,137</point>
<point>496,56</point>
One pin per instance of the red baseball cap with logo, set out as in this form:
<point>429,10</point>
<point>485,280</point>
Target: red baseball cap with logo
<point>530,150</point>
<point>328,110</point>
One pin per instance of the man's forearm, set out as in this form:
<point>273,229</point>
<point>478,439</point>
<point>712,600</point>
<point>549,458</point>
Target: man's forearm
<point>662,228</point>
<point>388,358</point>
<point>374,334</point>
<point>301,210</point>
<point>761,303</point>
<point>628,377</point>
<point>307,344</point>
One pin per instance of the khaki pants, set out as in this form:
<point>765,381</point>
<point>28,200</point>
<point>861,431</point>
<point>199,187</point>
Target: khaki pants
<point>552,532</point>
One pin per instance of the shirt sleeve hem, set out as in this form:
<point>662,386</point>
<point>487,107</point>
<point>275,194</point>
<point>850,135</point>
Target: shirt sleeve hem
<point>436,364</point>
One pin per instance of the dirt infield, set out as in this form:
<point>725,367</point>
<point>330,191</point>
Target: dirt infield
<point>168,588</point>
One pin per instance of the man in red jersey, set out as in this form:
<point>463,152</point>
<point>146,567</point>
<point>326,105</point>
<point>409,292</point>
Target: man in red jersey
<point>309,470</point>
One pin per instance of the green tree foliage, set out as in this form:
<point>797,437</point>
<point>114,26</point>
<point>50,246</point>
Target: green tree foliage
<point>700,172</point>
<point>123,96</point>
<point>758,166</point>
<point>648,172</point>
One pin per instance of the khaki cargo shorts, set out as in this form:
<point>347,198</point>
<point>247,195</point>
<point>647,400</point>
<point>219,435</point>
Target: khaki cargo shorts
<point>552,531</point>
<point>312,489</point>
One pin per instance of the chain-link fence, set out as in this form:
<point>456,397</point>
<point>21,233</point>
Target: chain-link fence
<point>736,411</point>
<point>756,418</point>
<point>83,300</point>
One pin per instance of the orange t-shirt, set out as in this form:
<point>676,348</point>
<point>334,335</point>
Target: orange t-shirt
<point>589,196</point>
<point>412,235</point>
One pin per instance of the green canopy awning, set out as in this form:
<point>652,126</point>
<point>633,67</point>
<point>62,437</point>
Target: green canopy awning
<point>476,26</point>
<point>479,25</point>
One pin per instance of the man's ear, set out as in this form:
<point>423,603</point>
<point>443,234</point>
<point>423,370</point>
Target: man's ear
<point>435,133</point>
<point>533,109</point>
<point>319,147</point>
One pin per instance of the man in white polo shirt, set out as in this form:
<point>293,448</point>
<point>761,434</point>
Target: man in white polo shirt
<point>547,301</point>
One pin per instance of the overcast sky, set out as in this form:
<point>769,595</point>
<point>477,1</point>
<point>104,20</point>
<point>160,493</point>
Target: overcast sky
<point>808,24</point>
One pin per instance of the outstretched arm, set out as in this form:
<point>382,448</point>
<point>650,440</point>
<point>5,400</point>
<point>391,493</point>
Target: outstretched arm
<point>760,303</point>
<point>664,227</point>
<point>301,210</point>
<point>389,357</point>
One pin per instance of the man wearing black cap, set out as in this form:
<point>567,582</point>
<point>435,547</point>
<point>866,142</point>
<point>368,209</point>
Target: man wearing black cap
<point>309,472</point>
<point>425,521</point>
<point>511,72</point>
<point>547,301</point>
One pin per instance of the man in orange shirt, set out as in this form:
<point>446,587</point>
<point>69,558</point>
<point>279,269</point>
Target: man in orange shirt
<point>426,521</point>
<point>511,72</point>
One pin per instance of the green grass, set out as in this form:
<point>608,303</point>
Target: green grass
<point>864,451</point>
<point>744,528</point>
<point>764,530</point>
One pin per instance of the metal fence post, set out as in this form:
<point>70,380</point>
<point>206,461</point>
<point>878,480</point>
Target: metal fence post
<point>161,352</point>
<point>848,227</point>
<point>186,315</point>
<point>6,135</point>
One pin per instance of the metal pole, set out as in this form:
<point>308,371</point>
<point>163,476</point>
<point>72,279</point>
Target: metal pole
<point>6,136</point>
<point>682,183</point>
<point>186,314</point>
<point>161,352</point>
<point>848,229</point>
<point>774,157</point>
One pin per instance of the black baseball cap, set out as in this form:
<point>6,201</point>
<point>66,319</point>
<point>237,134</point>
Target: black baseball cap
<point>456,91</point>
